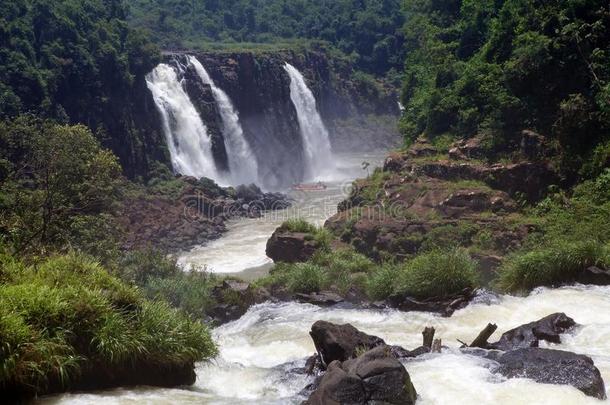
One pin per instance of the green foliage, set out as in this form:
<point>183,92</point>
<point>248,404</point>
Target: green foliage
<point>299,225</point>
<point>305,278</point>
<point>382,282</point>
<point>437,274</point>
<point>496,68</point>
<point>57,177</point>
<point>552,265</point>
<point>160,277</point>
<point>370,30</point>
<point>57,314</point>
<point>374,186</point>
<point>340,269</point>
<point>69,60</point>
<point>321,236</point>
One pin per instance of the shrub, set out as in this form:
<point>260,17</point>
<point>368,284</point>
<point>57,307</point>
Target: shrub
<point>437,274</point>
<point>68,311</point>
<point>340,267</point>
<point>189,291</point>
<point>299,225</point>
<point>140,266</point>
<point>382,282</point>
<point>305,278</point>
<point>552,265</point>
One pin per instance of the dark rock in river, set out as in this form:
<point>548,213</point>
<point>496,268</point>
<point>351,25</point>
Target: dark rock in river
<point>548,328</point>
<point>553,367</point>
<point>322,298</point>
<point>594,275</point>
<point>342,342</point>
<point>442,305</point>
<point>233,300</point>
<point>290,247</point>
<point>372,378</point>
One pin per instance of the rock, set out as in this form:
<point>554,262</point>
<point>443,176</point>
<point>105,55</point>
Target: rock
<point>323,298</point>
<point>290,247</point>
<point>548,328</point>
<point>553,367</point>
<point>233,298</point>
<point>456,154</point>
<point>394,162</point>
<point>533,145</point>
<point>445,306</point>
<point>472,148</point>
<point>374,377</point>
<point>594,275</point>
<point>422,148</point>
<point>340,342</point>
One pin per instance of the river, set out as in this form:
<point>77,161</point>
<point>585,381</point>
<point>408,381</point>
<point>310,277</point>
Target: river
<point>261,353</point>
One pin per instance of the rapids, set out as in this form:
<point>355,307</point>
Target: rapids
<point>262,354</point>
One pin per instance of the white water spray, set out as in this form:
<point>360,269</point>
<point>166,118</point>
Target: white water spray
<point>315,135</point>
<point>188,141</point>
<point>242,162</point>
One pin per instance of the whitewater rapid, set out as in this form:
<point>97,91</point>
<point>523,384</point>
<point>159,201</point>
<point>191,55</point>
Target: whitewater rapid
<point>261,353</point>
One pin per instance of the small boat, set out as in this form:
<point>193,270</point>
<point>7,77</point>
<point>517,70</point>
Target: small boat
<point>319,186</point>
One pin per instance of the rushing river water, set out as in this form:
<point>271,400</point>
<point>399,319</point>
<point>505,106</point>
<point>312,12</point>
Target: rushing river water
<point>242,248</point>
<point>261,353</point>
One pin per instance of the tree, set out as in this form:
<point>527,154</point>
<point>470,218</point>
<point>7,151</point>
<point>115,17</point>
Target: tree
<point>54,174</point>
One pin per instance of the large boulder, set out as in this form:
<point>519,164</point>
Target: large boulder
<point>374,377</point>
<point>233,298</point>
<point>290,247</point>
<point>553,367</point>
<point>344,342</point>
<point>594,275</point>
<point>340,342</point>
<point>548,328</point>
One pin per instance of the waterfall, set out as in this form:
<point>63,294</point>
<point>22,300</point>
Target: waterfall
<point>242,162</point>
<point>315,135</point>
<point>187,138</point>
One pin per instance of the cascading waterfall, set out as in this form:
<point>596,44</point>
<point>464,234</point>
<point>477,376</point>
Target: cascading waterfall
<point>187,137</point>
<point>316,141</point>
<point>242,162</point>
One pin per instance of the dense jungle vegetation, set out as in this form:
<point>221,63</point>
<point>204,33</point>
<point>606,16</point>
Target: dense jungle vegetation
<point>498,67</point>
<point>370,31</point>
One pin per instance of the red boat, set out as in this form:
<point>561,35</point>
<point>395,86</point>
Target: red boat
<point>319,186</point>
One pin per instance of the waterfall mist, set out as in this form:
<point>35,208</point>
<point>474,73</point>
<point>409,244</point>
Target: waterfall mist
<point>242,162</point>
<point>315,136</point>
<point>187,138</point>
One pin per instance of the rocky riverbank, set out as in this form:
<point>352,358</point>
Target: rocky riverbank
<point>195,213</point>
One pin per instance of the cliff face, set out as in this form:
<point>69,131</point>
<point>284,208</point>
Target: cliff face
<point>133,130</point>
<point>259,88</point>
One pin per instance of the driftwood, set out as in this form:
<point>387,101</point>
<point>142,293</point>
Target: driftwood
<point>428,334</point>
<point>436,346</point>
<point>481,340</point>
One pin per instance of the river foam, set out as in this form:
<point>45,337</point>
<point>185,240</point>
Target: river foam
<point>261,353</point>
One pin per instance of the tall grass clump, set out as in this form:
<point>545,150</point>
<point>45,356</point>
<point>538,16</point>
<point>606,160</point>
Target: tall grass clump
<point>437,273</point>
<point>382,282</point>
<point>554,264</point>
<point>344,268</point>
<point>65,317</point>
<point>321,236</point>
<point>299,225</point>
<point>305,278</point>
<point>160,277</point>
